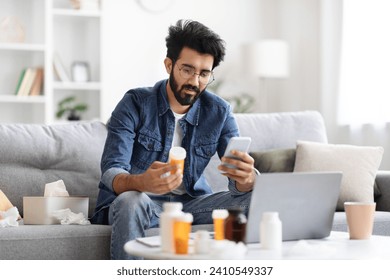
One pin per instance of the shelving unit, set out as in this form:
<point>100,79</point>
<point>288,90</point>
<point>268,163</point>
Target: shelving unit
<point>80,13</point>
<point>51,27</point>
<point>22,99</point>
<point>22,47</point>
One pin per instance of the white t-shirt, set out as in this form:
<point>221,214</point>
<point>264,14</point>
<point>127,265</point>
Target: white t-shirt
<point>177,139</point>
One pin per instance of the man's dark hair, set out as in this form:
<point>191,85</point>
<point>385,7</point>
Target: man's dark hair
<point>196,36</point>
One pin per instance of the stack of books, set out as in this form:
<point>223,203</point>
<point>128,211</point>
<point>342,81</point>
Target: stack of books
<point>30,82</point>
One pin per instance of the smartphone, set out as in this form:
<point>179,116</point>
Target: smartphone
<point>238,143</point>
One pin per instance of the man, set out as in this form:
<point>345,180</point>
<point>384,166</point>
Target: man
<point>147,122</point>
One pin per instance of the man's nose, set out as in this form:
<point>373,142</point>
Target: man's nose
<point>194,80</point>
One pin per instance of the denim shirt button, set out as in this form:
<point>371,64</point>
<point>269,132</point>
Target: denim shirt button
<point>150,146</point>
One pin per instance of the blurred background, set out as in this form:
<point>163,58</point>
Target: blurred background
<point>282,55</point>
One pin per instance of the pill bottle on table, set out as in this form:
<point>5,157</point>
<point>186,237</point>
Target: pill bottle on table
<point>219,216</point>
<point>271,231</point>
<point>181,232</point>
<point>202,242</point>
<point>235,225</point>
<point>171,210</point>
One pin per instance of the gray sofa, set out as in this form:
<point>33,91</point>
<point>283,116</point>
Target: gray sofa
<point>33,155</point>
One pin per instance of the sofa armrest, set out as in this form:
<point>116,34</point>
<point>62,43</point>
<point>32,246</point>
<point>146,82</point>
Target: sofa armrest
<point>383,182</point>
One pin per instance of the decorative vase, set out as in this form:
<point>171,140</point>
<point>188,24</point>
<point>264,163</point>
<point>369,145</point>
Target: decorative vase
<point>11,30</point>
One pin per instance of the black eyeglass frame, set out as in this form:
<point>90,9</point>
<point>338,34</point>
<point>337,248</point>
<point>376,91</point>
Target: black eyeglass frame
<point>190,75</point>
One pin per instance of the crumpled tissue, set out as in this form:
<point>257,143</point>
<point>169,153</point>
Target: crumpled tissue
<point>303,249</point>
<point>9,217</point>
<point>67,217</point>
<point>56,188</point>
<point>226,249</point>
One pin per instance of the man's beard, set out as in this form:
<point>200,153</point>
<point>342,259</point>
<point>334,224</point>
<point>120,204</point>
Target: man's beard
<point>183,98</point>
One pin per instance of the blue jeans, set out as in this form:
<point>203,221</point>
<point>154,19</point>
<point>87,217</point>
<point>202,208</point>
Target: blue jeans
<point>132,213</point>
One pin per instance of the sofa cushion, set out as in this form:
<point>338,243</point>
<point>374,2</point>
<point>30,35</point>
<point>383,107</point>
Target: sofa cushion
<point>271,131</point>
<point>49,242</point>
<point>283,160</point>
<point>275,160</point>
<point>358,164</point>
<point>33,155</point>
<point>281,130</point>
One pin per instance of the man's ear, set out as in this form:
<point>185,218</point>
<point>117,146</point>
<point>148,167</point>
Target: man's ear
<point>168,65</point>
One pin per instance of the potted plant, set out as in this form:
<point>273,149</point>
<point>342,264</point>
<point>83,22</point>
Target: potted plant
<point>241,103</point>
<point>68,105</point>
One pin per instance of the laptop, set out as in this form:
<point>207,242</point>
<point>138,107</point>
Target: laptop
<point>306,203</point>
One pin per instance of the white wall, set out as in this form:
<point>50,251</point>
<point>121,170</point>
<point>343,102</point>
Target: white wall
<point>297,22</point>
<point>134,41</point>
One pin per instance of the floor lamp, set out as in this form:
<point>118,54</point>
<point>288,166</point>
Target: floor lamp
<point>268,59</point>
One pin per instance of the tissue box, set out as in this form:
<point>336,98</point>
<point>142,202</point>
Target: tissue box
<point>37,209</point>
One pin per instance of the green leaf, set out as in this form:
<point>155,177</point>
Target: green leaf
<point>68,105</point>
<point>61,112</point>
<point>67,100</point>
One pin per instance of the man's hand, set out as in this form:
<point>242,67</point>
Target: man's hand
<point>157,179</point>
<point>244,174</point>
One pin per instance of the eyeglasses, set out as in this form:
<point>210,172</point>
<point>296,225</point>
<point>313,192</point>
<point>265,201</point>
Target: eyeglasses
<point>205,77</point>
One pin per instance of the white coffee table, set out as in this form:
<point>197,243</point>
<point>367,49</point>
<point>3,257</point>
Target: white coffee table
<point>337,246</point>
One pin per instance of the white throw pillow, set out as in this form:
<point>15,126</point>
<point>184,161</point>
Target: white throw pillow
<point>359,165</point>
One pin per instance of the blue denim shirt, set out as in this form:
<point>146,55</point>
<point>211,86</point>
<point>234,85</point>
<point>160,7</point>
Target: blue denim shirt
<point>140,131</point>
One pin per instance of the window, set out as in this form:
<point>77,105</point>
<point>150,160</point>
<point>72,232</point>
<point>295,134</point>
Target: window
<point>365,62</point>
